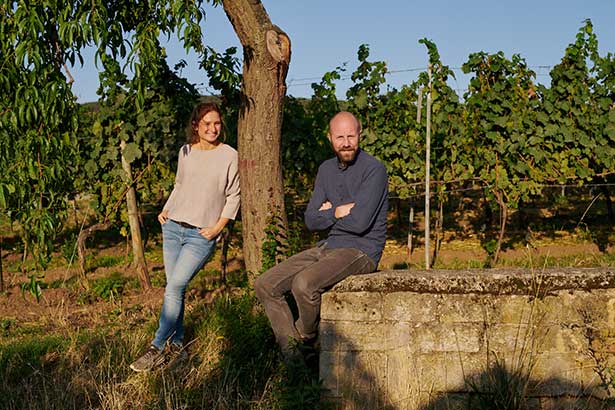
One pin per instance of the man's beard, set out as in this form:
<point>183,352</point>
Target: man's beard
<point>346,156</point>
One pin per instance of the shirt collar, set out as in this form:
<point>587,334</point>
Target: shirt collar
<point>344,165</point>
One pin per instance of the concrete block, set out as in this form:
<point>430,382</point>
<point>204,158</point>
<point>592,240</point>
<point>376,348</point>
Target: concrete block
<point>443,401</point>
<point>557,339</point>
<point>556,374</point>
<point>564,308</point>
<point>361,306</point>
<point>449,338</point>
<point>359,336</point>
<point>513,309</point>
<point>329,365</point>
<point>593,372</point>
<point>515,338</point>
<point>402,380</point>
<point>450,372</point>
<point>411,307</point>
<point>363,378</point>
<point>574,403</point>
<point>464,308</point>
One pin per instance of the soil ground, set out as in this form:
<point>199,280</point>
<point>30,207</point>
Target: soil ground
<point>62,304</point>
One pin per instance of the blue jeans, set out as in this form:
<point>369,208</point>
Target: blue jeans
<point>185,251</point>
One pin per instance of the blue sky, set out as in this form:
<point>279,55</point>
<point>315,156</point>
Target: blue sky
<point>326,34</point>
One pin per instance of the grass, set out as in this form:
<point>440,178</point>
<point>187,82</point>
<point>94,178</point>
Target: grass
<point>108,288</point>
<point>106,261</point>
<point>233,364</point>
<point>573,260</point>
<point>546,261</point>
<point>233,360</point>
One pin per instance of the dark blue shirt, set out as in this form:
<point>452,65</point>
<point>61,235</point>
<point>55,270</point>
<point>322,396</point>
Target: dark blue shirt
<point>363,182</point>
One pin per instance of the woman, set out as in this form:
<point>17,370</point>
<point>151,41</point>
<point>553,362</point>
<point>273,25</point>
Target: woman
<point>205,197</point>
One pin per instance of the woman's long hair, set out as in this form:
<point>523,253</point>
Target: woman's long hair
<point>199,111</point>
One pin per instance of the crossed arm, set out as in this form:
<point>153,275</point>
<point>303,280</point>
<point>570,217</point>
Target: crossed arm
<point>340,211</point>
<point>354,217</point>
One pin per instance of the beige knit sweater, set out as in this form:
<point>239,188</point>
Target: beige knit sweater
<point>206,186</point>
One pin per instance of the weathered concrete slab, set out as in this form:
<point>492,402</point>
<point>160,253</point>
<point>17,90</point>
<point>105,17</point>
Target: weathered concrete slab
<point>443,339</point>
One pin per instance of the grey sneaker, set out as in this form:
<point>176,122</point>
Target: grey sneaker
<point>175,354</point>
<point>150,359</point>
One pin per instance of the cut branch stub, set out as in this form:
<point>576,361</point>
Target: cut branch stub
<point>278,46</point>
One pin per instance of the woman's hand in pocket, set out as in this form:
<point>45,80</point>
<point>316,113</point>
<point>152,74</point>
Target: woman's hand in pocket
<point>209,232</point>
<point>163,217</point>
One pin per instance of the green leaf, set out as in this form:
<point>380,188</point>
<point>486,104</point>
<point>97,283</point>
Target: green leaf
<point>131,152</point>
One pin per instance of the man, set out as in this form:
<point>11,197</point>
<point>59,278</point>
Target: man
<point>349,199</point>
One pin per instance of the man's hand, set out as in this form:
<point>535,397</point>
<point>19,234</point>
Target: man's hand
<point>343,210</point>
<point>325,205</point>
<point>163,216</point>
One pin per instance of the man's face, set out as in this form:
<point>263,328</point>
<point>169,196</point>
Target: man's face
<point>344,136</point>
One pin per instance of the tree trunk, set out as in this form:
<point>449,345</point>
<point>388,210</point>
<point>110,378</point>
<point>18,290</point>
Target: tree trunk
<point>226,240</point>
<point>81,248</point>
<point>487,213</point>
<point>609,204</point>
<point>439,234</point>
<point>266,53</point>
<point>503,219</point>
<point>398,211</point>
<point>24,257</point>
<point>410,229</point>
<point>135,229</point>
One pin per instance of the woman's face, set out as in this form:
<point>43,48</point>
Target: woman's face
<point>209,127</point>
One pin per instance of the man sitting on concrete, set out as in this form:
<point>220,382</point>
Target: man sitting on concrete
<point>350,200</point>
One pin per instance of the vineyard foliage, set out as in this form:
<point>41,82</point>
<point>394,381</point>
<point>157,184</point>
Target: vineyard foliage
<point>507,134</point>
<point>50,149</point>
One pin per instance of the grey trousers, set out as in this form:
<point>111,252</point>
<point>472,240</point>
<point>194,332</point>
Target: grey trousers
<point>306,275</point>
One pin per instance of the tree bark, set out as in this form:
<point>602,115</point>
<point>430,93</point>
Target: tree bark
<point>439,232</point>
<point>503,218</point>
<point>226,240</point>
<point>266,54</point>
<point>135,229</point>
<point>410,229</point>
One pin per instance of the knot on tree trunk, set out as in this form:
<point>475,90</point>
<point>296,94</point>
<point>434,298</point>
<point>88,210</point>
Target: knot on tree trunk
<point>278,46</point>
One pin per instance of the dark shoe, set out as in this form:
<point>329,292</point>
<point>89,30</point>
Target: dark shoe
<point>151,358</point>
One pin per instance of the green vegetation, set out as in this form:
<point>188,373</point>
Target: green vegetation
<point>522,136</point>
<point>232,364</point>
<point>495,151</point>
